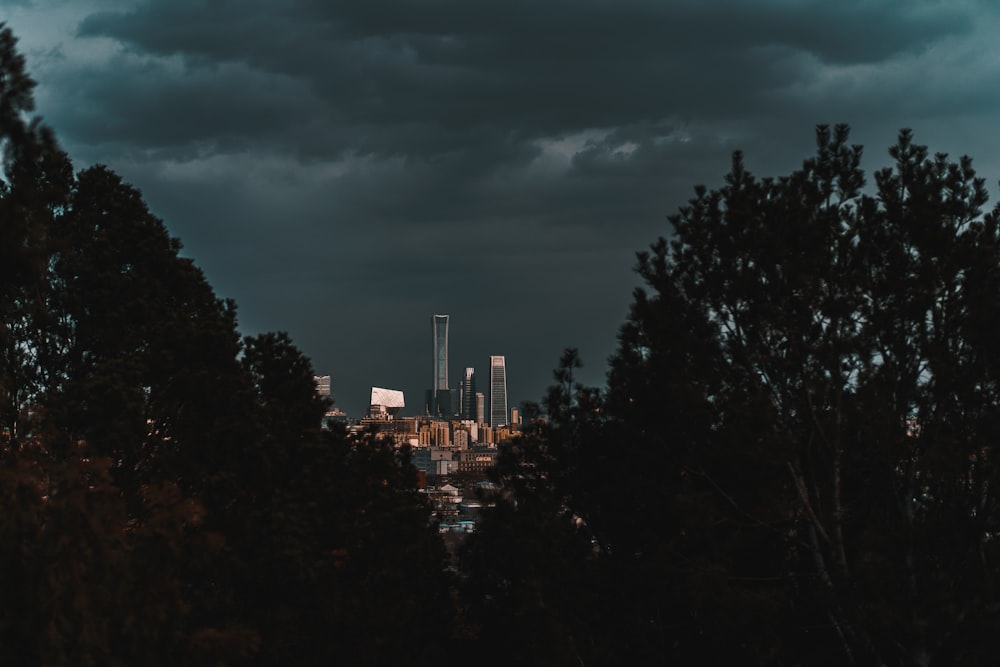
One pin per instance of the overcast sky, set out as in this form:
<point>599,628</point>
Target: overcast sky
<point>344,169</point>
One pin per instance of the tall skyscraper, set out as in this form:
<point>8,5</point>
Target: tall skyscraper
<point>498,391</point>
<point>438,396</point>
<point>469,394</point>
<point>439,334</point>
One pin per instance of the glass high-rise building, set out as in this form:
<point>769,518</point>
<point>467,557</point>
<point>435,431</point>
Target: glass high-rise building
<point>438,402</point>
<point>498,391</point>
<point>439,336</point>
<point>469,394</point>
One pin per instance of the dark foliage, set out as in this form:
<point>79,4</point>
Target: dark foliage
<point>167,496</point>
<point>792,461</point>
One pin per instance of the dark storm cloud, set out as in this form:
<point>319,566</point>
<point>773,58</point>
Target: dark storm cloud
<point>141,106</point>
<point>535,68</point>
<point>465,88</point>
<point>345,169</point>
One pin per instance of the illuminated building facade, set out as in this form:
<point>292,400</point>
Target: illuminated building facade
<point>439,335</point>
<point>498,391</point>
<point>469,394</point>
<point>322,385</point>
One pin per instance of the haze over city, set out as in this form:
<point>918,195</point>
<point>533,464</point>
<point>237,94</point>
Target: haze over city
<point>344,170</point>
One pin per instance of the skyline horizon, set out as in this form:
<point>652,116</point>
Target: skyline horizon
<point>357,409</point>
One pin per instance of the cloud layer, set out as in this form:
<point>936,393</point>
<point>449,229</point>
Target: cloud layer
<point>344,170</point>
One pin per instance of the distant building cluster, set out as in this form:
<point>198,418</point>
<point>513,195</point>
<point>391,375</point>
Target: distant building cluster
<point>464,401</point>
<point>455,438</point>
<point>459,427</point>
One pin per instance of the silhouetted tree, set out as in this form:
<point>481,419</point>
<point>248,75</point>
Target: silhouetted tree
<point>168,495</point>
<point>529,582</point>
<point>338,562</point>
<point>792,462</point>
<point>837,345</point>
<point>600,550</point>
<point>34,186</point>
<point>148,374</point>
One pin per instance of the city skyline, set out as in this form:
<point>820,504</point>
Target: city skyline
<point>352,400</point>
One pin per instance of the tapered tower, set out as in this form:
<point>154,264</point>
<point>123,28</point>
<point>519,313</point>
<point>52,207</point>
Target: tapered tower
<point>438,396</point>
<point>498,391</point>
<point>439,335</point>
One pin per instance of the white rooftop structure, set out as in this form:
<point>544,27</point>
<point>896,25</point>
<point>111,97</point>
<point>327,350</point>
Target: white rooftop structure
<point>389,398</point>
